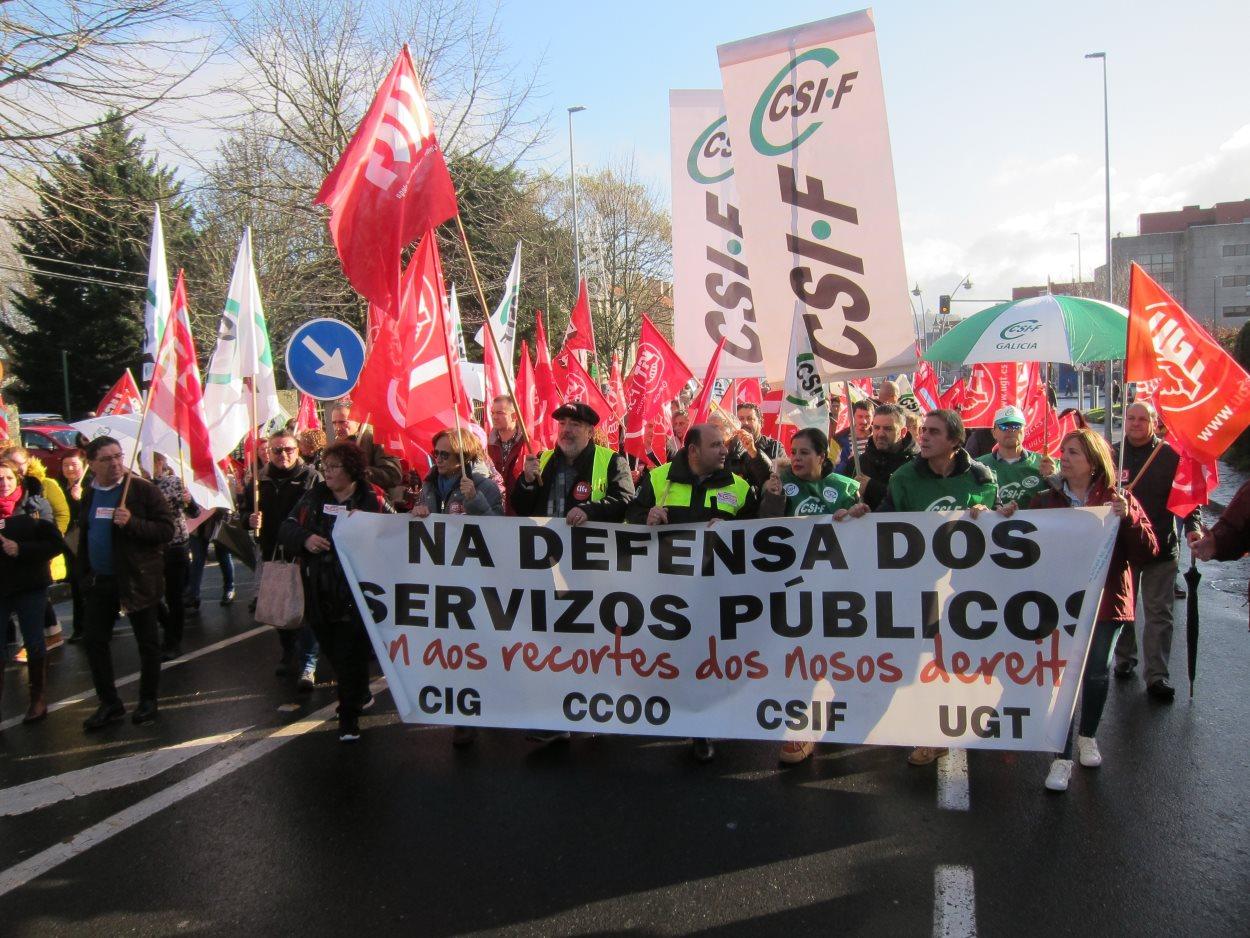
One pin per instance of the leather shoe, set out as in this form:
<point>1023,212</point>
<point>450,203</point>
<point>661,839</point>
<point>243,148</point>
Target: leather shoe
<point>144,713</point>
<point>1124,670</point>
<point>702,750</point>
<point>104,715</point>
<point>1161,690</point>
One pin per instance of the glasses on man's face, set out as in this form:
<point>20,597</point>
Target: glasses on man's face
<point>444,454</point>
<point>283,449</point>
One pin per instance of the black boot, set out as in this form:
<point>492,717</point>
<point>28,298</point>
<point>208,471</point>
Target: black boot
<point>37,670</point>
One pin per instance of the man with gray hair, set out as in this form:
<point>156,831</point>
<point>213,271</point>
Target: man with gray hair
<point>1155,581</point>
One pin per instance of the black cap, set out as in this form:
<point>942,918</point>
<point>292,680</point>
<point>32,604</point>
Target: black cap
<point>576,410</point>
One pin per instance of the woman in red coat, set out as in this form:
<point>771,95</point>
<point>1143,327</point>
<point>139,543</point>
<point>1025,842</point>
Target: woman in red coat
<point>1085,480</point>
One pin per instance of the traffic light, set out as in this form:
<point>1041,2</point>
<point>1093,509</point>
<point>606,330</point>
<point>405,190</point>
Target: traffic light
<point>944,305</point>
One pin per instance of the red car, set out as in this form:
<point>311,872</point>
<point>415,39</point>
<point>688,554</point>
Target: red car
<point>50,443</point>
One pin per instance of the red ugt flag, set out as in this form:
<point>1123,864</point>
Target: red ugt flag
<point>1202,392</point>
<point>580,334</point>
<point>390,186</point>
<point>657,377</point>
<point>122,398</point>
<point>993,385</point>
<point>616,390</point>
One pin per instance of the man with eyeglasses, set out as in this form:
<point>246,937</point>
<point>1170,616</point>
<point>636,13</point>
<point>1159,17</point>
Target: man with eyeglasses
<point>283,481</point>
<point>1020,473</point>
<point>122,564</point>
<point>383,470</point>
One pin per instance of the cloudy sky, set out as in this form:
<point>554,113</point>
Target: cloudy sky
<point>995,116</point>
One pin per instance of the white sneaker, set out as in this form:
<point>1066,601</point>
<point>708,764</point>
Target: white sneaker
<point>1087,752</point>
<point>1060,773</point>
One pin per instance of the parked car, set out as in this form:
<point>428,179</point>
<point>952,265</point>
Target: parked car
<point>50,443</point>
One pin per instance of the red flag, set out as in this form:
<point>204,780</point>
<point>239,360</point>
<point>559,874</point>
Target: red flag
<point>1042,433</point>
<point>177,397</point>
<point>701,408</point>
<point>993,385</point>
<point>496,383</point>
<point>924,384</point>
<point>658,375</point>
<point>549,385</point>
<point>616,390</point>
<point>581,386</point>
<point>541,431</point>
<point>378,393</point>
<point>580,334</point>
<point>953,398</point>
<point>1202,392</point>
<point>1192,482</point>
<point>389,187</point>
<point>122,398</point>
<point>307,418</point>
<point>435,394</point>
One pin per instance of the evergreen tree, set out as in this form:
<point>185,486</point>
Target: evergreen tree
<point>87,248</point>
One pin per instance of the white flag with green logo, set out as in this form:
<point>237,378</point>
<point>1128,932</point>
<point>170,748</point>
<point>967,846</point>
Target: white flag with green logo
<point>243,352</point>
<point>805,403</point>
<point>156,303</point>
<point>503,321</point>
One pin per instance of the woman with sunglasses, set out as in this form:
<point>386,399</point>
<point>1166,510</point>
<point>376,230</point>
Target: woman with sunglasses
<point>1085,480</point>
<point>461,483</point>
<point>808,486</point>
<point>328,603</point>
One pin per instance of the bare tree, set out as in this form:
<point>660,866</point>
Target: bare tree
<point>64,65</point>
<point>626,254</point>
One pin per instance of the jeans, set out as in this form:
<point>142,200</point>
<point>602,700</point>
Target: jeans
<point>199,554</point>
<point>172,613</point>
<point>1094,682</point>
<point>301,642</point>
<point>103,607</point>
<point>28,606</point>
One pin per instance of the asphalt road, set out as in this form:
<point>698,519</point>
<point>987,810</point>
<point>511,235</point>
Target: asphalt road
<point>239,812</point>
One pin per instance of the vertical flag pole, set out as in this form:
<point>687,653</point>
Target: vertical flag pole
<point>850,427</point>
<point>255,454</point>
<point>1123,434</point>
<point>505,367</point>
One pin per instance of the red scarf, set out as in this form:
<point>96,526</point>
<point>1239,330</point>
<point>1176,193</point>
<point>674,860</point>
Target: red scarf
<point>8,504</point>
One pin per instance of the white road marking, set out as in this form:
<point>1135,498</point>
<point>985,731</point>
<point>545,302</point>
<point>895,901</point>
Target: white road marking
<point>953,781</point>
<point>22,873</point>
<point>115,773</point>
<point>131,678</point>
<point>954,903</point>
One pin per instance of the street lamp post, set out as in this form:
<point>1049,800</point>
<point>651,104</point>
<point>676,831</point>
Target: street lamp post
<point>577,247</point>
<point>1106,154</point>
<point>924,328</point>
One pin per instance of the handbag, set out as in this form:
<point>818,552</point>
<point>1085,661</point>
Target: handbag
<point>280,595</point>
<point>234,536</point>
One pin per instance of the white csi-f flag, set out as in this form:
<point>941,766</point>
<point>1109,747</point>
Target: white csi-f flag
<point>503,320</point>
<point>804,403</point>
<point>242,352</point>
<point>711,282</point>
<point>156,301</point>
<point>815,176</point>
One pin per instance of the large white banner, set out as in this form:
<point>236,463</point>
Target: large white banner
<point>711,289</point>
<point>815,181</point>
<point>905,629</point>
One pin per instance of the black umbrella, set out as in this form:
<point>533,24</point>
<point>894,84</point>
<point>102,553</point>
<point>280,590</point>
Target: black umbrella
<point>1192,576</point>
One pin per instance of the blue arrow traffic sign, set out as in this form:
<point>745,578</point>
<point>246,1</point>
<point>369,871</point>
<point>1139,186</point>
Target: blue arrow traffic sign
<point>324,358</point>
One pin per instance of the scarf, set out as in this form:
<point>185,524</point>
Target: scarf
<point>8,503</point>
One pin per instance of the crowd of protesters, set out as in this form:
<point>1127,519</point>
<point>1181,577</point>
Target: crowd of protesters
<point>136,544</point>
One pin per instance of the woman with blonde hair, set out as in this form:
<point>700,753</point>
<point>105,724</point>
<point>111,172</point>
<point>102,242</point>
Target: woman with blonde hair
<point>1086,480</point>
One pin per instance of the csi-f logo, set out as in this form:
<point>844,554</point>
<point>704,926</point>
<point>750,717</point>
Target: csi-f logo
<point>1018,330</point>
<point>708,160</point>
<point>799,90</point>
<point>808,378</point>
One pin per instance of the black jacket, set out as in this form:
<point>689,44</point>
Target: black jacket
<point>138,548</point>
<point>1152,489</point>
<point>755,469</point>
<point>38,541</point>
<point>279,494</point>
<point>383,469</point>
<point>879,464</point>
<point>680,472</point>
<point>327,597</point>
<point>531,500</point>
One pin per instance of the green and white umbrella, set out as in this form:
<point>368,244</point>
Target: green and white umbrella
<point>1040,329</point>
